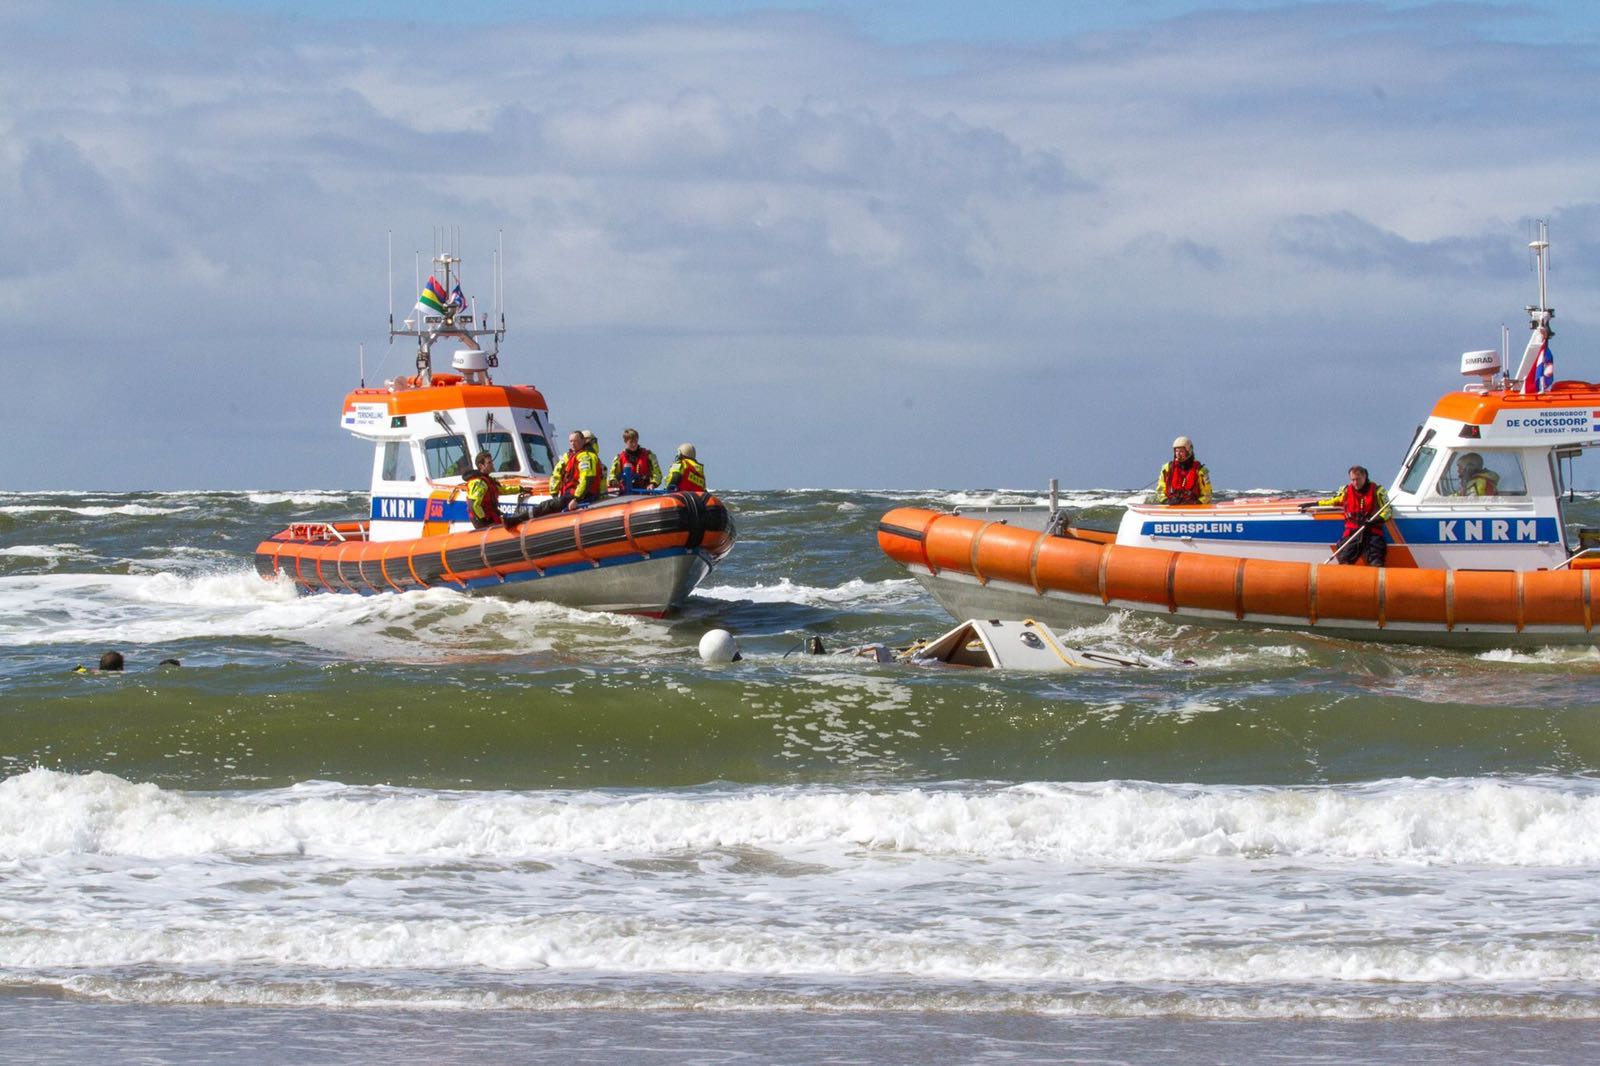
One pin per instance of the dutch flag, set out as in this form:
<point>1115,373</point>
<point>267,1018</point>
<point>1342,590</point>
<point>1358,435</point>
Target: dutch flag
<point>1542,374</point>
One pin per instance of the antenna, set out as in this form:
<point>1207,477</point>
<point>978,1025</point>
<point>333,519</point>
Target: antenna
<point>389,282</point>
<point>361,357</point>
<point>1541,252</point>
<point>1538,316</point>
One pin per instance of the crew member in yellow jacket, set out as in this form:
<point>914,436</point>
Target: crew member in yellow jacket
<point>577,479</point>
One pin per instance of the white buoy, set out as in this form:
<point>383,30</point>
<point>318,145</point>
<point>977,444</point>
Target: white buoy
<point>719,646</point>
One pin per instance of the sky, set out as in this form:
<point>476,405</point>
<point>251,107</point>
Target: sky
<point>899,245</point>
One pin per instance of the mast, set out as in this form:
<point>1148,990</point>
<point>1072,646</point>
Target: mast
<point>1538,316</point>
<point>430,327</point>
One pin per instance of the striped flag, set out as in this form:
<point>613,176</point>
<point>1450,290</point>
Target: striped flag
<point>433,297</point>
<point>1542,374</point>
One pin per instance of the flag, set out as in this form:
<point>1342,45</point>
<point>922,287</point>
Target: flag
<point>458,299</point>
<point>1542,374</point>
<point>433,297</point>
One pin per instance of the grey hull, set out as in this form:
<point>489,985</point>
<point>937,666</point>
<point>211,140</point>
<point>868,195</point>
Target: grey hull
<point>650,586</point>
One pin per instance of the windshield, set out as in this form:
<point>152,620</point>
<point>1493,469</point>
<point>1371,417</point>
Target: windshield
<point>1482,472</point>
<point>536,439</point>
<point>447,456</point>
<point>502,449</point>
<point>538,452</point>
<point>397,461</point>
<point>1421,463</point>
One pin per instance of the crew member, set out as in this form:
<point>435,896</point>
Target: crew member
<point>1185,479</point>
<point>1365,504</point>
<point>634,469</point>
<point>1473,478</point>
<point>686,474</point>
<point>483,497</point>
<point>576,479</point>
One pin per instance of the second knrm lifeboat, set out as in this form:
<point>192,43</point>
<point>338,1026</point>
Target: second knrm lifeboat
<point>1481,553</point>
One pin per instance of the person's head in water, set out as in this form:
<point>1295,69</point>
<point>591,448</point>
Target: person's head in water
<point>169,662</point>
<point>111,660</point>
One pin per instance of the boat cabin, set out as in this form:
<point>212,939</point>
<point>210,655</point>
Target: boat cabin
<point>1483,484</point>
<point>425,435</point>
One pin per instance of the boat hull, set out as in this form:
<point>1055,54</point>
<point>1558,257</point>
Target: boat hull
<point>978,569</point>
<point>641,555</point>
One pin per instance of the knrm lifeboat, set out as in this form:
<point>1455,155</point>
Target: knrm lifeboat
<point>1491,564</point>
<point>638,553</point>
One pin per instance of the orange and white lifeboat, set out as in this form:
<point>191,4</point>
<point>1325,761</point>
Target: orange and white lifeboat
<point>640,553</point>
<point>1490,564</point>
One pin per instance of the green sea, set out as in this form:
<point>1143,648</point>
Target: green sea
<point>435,827</point>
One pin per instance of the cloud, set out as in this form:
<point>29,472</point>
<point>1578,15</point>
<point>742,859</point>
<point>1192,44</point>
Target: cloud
<point>1343,241</point>
<point>1226,203</point>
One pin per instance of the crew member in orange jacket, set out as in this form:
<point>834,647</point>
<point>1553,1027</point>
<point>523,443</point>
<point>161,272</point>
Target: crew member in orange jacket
<point>1365,504</point>
<point>576,480</point>
<point>1185,479</point>
<point>483,496</point>
<point>686,474</point>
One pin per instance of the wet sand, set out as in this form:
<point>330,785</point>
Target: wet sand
<point>44,1029</point>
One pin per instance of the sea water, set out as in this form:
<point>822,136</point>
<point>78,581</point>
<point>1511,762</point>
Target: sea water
<point>447,828</point>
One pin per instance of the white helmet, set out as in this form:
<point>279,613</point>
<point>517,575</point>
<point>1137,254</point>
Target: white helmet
<point>686,450</point>
<point>1183,442</point>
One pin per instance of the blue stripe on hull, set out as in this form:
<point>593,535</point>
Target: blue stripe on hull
<point>1479,529</point>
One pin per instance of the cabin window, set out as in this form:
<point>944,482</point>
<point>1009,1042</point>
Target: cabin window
<point>397,464</point>
<point>536,439</point>
<point>1474,472</point>
<point>447,456</point>
<point>502,449</point>
<point>1418,473</point>
<point>538,452</point>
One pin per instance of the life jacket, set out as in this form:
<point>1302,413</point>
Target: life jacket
<point>1360,507</point>
<point>589,460</point>
<point>633,472</point>
<point>1483,483</point>
<point>483,500</point>
<point>1183,482</point>
<point>567,484</point>
<point>690,476</point>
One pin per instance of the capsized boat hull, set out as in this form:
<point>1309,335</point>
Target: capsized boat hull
<point>636,555</point>
<point>977,569</point>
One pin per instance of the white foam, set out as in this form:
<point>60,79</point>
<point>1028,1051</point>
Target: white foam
<point>1551,656</point>
<point>854,591</point>
<point>1393,1002</point>
<point>1403,896</point>
<point>92,511</point>
<point>580,942</point>
<point>309,498</point>
<point>1473,822</point>
<point>412,626</point>
<point>51,553</point>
